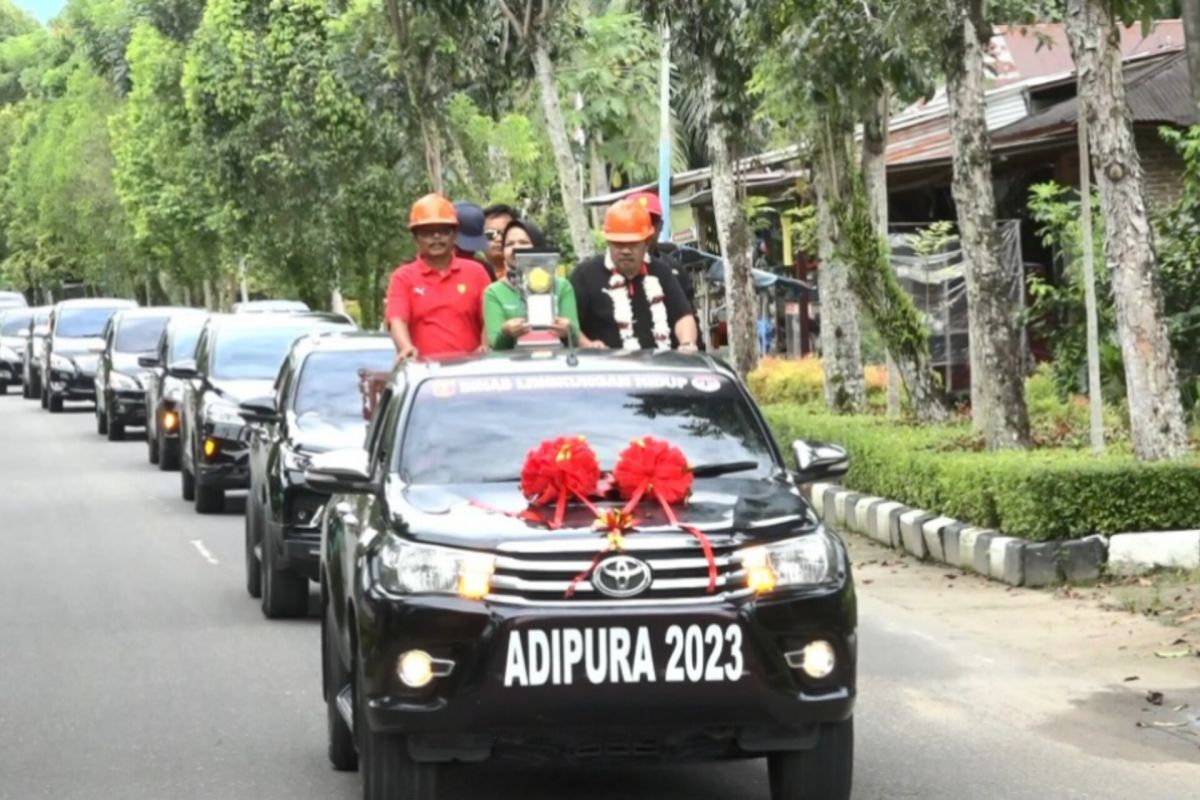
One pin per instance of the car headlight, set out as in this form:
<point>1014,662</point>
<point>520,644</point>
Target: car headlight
<point>222,413</point>
<point>408,568</point>
<point>810,560</point>
<point>125,383</point>
<point>61,363</point>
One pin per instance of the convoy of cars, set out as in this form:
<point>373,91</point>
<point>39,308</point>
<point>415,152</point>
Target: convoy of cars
<point>14,330</point>
<point>462,618</point>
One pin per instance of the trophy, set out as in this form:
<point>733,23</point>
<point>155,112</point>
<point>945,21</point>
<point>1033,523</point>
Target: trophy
<point>537,281</point>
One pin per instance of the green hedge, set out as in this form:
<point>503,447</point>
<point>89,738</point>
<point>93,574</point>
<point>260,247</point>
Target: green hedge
<point>1040,495</point>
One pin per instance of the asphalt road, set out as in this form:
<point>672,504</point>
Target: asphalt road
<point>134,665</point>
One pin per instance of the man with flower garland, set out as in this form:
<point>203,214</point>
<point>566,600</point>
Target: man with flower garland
<point>626,300</point>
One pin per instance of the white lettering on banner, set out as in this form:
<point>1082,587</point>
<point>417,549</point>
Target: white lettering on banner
<point>449,387</point>
<point>617,655</point>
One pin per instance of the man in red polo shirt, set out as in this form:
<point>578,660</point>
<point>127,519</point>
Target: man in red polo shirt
<point>435,303</point>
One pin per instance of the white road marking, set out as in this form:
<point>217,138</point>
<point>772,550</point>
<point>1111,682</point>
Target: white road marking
<point>199,545</point>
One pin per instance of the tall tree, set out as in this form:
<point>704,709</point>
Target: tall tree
<point>1155,409</point>
<point>535,24</point>
<point>716,40</point>
<point>997,381</point>
<point>1191,27</point>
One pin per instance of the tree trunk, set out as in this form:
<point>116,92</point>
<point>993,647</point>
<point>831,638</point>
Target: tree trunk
<point>733,235</point>
<point>1191,28</point>
<point>841,347</point>
<point>997,381</point>
<point>599,176</point>
<point>564,158</point>
<point>210,300</point>
<point>1152,383</point>
<point>874,168</point>
<point>432,141</point>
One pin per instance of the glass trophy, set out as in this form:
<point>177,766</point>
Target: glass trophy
<point>538,284</point>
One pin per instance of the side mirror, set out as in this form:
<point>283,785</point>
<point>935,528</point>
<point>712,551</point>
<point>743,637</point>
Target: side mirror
<point>97,349</point>
<point>184,369</point>
<point>260,410</point>
<point>340,472</point>
<point>816,461</point>
<point>149,362</point>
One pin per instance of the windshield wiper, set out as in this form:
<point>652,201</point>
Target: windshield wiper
<point>726,468</point>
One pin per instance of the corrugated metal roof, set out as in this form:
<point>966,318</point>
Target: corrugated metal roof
<point>1156,91</point>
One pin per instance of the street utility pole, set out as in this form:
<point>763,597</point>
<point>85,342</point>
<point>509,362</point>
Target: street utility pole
<point>1095,399</point>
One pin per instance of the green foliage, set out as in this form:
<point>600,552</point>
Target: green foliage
<point>1063,420</point>
<point>1040,495</point>
<point>1178,240</point>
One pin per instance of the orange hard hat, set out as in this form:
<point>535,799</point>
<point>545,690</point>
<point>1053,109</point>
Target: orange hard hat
<point>627,221</point>
<point>432,209</point>
<point>648,201</point>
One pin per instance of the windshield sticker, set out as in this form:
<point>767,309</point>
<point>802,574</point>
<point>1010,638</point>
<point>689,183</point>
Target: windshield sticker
<point>443,388</point>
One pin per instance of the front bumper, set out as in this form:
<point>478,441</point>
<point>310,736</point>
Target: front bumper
<point>471,714</point>
<point>128,408</point>
<point>229,466</point>
<point>72,385</point>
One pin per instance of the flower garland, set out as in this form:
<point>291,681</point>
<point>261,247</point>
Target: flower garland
<point>620,291</point>
<point>564,469</point>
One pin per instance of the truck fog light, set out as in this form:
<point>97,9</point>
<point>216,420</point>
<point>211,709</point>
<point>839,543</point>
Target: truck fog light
<point>170,421</point>
<point>415,669</point>
<point>817,660</point>
<point>210,448</point>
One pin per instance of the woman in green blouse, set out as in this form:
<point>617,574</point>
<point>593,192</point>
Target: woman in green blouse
<point>504,313</point>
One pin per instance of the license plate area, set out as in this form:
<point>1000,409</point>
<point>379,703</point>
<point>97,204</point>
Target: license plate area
<point>597,652</point>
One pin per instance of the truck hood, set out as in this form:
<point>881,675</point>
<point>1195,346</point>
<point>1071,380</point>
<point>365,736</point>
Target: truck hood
<point>322,437</point>
<point>728,510</point>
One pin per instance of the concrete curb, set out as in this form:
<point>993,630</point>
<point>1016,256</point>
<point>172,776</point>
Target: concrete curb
<point>1007,559</point>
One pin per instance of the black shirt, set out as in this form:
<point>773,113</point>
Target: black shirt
<point>595,286</point>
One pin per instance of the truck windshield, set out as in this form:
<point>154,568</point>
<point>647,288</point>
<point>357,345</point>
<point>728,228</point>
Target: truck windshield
<point>255,353</point>
<point>328,393</point>
<point>14,322</point>
<point>139,335</point>
<point>478,430</point>
<point>82,323</point>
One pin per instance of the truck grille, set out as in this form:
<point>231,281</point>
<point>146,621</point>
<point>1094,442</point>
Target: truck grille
<point>541,572</point>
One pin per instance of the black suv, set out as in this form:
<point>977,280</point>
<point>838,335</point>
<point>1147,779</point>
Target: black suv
<point>163,392</point>
<point>316,407</point>
<point>14,330</point>
<point>35,345</point>
<point>237,359</point>
<point>73,349</point>
<point>457,625</point>
<point>120,378</point>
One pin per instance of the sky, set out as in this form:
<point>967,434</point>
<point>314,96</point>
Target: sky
<point>42,9</point>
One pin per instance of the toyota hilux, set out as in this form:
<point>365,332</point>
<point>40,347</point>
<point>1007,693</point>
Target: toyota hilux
<point>467,617</point>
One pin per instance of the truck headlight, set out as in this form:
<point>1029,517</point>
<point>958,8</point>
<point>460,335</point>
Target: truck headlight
<point>809,560</point>
<point>295,461</point>
<point>124,383</point>
<point>62,363</point>
<point>408,568</point>
<point>222,413</point>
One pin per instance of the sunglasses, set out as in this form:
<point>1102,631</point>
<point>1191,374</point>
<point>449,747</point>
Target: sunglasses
<point>492,235</point>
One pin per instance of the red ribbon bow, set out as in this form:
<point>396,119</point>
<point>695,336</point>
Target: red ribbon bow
<point>558,470</point>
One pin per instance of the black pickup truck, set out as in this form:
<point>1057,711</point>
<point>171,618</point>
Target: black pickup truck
<point>462,621</point>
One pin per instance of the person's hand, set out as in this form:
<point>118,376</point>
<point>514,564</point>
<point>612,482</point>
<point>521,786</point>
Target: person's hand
<point>516,328</point>
<point>595,344</point>
<point>483,348</point>
<point>561,327</point>
<point>688,347</point>
<point>405,354</point>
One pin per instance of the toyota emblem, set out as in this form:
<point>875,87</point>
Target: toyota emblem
<point>621,576</point>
